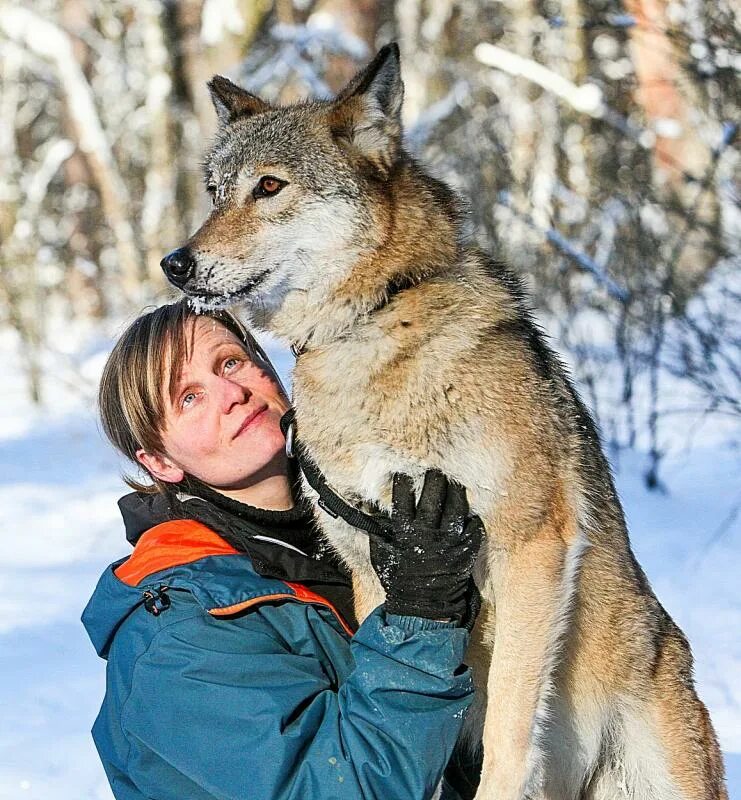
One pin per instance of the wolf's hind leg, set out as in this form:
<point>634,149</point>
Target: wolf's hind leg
<point>644,760</point>
<point>573,740</point>
<point>693,758</point>
<point>367,591</point>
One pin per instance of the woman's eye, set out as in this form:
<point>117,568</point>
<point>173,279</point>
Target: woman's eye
<point>188,399</point>
<point>267,186</point>
<point>232,363</point>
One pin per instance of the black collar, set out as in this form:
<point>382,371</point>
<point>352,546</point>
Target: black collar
<point>333,503</point>
<point>281,544</point>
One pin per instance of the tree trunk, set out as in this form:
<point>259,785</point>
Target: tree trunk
<point>50,42</point>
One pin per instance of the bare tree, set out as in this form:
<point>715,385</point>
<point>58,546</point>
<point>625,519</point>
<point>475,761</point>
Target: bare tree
<point>594,141</point>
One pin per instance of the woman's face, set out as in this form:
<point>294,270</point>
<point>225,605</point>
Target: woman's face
<point>222,420</point>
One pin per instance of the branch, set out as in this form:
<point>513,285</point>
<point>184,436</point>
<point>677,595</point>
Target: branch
<point>419,132</point>
<point>56,154</point>
<point>578,256</point>
<point>586,98</point>
<point>50,42</point>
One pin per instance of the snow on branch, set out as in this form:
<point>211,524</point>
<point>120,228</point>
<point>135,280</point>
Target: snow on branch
<point>50,42</point>
<point>576,254</point>
<point>35,190</point>
<point>56,154</point>
<point>321,33</point>
<point>586,98</point>
<point>220,18</point>
<point>419,132</point>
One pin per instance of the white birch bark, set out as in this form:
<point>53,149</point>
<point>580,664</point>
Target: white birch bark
<point>157,219</point>
<point>47,40</point>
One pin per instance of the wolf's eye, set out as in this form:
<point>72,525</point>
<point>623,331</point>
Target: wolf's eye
<point>267,186</point>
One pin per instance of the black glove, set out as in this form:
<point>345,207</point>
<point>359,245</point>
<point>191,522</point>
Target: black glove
<point>425,563</point>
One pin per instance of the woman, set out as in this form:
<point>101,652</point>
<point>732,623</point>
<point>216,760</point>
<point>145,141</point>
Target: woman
<point>235,666</point>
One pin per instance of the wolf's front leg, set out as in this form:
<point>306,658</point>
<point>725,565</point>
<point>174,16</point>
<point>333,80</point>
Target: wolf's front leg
<point>533,583</point>
<point>367,591</point>
<point>353,547</point>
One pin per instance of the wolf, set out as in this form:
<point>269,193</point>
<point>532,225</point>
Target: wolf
<point>417,350</point>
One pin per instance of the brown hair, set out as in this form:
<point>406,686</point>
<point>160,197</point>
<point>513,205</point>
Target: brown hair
<point>141,372</point>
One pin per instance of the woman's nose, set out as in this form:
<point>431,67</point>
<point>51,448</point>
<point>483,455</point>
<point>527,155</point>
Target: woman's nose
<point>233,394</point>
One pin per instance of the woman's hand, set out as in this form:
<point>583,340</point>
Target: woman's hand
<point>425,563</point>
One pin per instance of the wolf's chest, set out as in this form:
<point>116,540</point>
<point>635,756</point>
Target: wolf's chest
<point>359,434</point>
<point>353,455</point>
<point>351,429</point>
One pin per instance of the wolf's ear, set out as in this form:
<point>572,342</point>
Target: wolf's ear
<point>231,101</point>
<point>367,112</point>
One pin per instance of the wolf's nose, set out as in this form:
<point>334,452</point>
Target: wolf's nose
<point>179,266</point>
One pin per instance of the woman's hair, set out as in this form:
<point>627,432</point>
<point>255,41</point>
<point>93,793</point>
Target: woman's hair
<point>142,371</point>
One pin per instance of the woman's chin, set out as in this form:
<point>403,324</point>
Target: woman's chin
<point>262,466</point>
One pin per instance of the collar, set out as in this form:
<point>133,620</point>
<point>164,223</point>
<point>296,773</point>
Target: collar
<point>281,544</point>
<point>329,500</point>
<point>185,554</point>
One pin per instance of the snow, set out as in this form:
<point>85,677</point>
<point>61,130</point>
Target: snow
<point>587,97</point>
<point>59,483</point>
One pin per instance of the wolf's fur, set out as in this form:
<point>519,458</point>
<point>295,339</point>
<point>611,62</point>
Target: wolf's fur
<point>419,351</point>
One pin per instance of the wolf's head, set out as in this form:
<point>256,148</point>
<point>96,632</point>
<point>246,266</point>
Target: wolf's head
<point>301,195</point>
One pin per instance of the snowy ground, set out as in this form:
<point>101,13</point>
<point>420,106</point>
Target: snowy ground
<point>58,489</point>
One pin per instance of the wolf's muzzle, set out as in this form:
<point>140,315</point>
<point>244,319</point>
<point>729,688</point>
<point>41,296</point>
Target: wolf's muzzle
<point>179,266</point>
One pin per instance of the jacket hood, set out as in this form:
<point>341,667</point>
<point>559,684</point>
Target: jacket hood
<point>110,604</point>
<point>238,522</point>
<point>142,511</point>
<point>179,555</point>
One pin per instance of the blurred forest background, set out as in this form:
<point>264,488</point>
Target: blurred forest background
<point>596,141</point>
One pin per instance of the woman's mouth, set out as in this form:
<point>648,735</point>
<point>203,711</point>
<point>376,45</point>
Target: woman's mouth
<point>250,419</point>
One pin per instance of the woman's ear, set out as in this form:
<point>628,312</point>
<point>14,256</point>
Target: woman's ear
<point>160,467</point>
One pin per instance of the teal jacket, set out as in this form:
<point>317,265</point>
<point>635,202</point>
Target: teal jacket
<point>222,683</point>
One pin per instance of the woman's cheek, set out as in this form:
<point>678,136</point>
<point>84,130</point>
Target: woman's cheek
<point>199,436</point>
